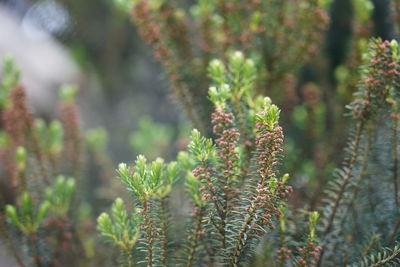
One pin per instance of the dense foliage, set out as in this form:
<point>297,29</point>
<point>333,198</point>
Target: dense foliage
<point>226,199</point>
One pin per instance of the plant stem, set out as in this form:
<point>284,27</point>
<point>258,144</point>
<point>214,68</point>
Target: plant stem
<point>395,162</point>
<point>363,171</point>
<point>195,237</point>
<point>394,233</point>
<point>348,173</point>
<point>345,182</point>
<point>129,258</point>
<point>164,231</point>
<point>149,232</point>
<point>373,241</point>
<point>243,236</point>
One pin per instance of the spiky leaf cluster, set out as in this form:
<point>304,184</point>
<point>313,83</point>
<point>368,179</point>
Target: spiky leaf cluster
<point>122,229</point>
<point>280,35</point>
<point>387,257</point>
<point>232,180</point>
<point>60,196</point>
<point>375,134</point>
<point>29,217</point>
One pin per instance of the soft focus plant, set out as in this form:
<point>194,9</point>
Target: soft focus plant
<point>237,196</point>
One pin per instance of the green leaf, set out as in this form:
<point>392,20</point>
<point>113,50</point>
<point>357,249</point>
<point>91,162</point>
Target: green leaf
<point>217,72</point>
<point>156,173</point>
<point>193,186</point>
<point>97,139</point>
<point>119,215</point>
<point>55,137</point>
<point>60,195</point>
<point>140,165</point>
<point>173,173</point>
<point>119,228</point>
<point>12,214</point>
<point>124,5</point>
<point>21,158</point>
<point>11,77</point>
<point>68,93</point>
<point>104,226</point>
<point>42,213</point>
<point>201,147</point>
<point>27,207</point>
<point>236,61</point>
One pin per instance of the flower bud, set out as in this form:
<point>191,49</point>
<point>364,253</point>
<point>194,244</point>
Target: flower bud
<point>237,60</point>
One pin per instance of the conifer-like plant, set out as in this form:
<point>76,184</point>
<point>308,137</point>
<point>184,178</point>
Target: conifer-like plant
<point>238,208</point>
<point>281,35</point>
<point>241,215</point>
<point>352,199</point>
<point>236,192</point>
<point>37,223</point>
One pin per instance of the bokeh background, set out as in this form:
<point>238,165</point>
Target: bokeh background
<point>92,43</point>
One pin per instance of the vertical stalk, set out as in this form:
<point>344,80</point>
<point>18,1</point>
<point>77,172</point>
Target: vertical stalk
<point>243,235</point>
<point>371,243</point>
<point>245,136</point>
<point>164,231</point>
<point>129,259</point>
<point>346,180</point>
<point>394,233</point>
<point>194,239</point>
<point>22,180</point>
<point>363,172</point>
<point>349,164</point>
<point>39,156</point>
<point>149,232</point>
<point>395,162</point>
<point>282,240</point>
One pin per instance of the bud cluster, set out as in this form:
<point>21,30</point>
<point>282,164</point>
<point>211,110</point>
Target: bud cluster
<point>382,70</point>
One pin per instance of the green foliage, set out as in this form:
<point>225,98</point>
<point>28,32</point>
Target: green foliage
<point>120,228</point>
<point>34,153</point>
<point>238,211</point>
<point>387,257</point>
<point>29,217</point>
<point>203,148</point>
<point>313,220</point>
<point>278,45</point>
<point>344,194</point>
<point>52,136</point>
<point>227,188</point>
<point>270,117</point>
<point>151,139</point>
<point>148,180</point>
<point>68,93</point>
<point>11,76</point>
<point>97,139</point>
<point>20,155</point>
<point>60,196</point>
<point>364,9</point>
<point>124,5</point>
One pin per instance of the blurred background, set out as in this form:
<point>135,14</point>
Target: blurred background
<point>93,44</point>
